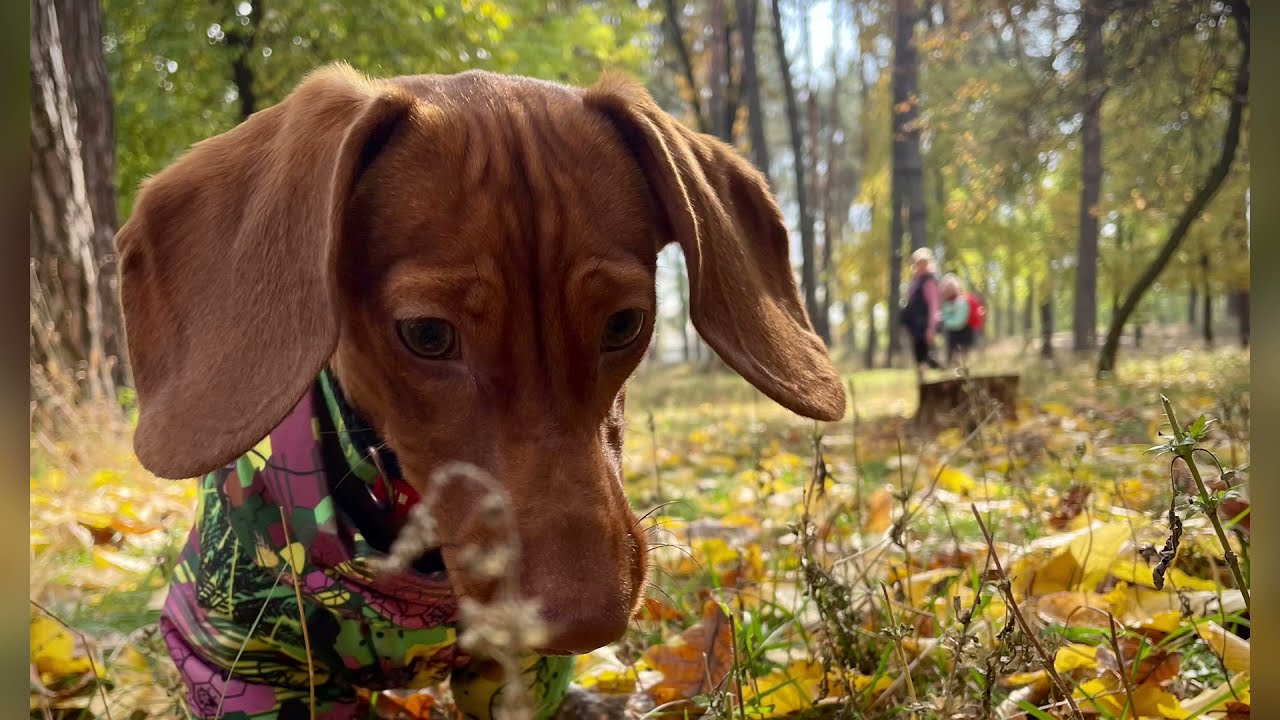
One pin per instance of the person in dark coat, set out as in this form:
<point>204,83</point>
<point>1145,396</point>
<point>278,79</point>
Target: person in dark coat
<point>922,313</point>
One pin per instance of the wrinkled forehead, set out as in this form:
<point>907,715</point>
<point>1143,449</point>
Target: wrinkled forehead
<point>510,168</point>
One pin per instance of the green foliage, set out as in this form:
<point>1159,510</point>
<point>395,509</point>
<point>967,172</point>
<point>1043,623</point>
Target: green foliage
<point>173,64</point>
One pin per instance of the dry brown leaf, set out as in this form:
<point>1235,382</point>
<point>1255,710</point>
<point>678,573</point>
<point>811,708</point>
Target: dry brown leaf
<point>696,662</point>
<point>655,609</point>
<point>879,512</point>
<point>1070,506</point>
<point>1075,608</point>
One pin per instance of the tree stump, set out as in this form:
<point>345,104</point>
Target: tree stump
<point>966,401</point>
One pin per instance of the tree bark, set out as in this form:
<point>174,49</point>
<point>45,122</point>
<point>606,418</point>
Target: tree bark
<point>835,209</point>
<point>718,71</point>
<point>808,276</point>
<point>1085,315</point>
<point>908,163</point>
<point>245,39</point>
<point>682,290</point>
<point>1046,327</point>
<point>671,22</point>
<point>895,269</point>
<point>1207,313</point>
<point>1230,142</point>
<point>870,356</point>
<point>1192,301</point>
<point>907,178</point>
<point>1242,316</point>
<point>1028,312</point>
<point>748,12</point>
<point>1011,309</point>
<point>76,326</point>
<point>850,330</point>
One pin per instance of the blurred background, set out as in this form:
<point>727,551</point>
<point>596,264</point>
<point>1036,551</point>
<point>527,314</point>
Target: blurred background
<point>1065,159</point>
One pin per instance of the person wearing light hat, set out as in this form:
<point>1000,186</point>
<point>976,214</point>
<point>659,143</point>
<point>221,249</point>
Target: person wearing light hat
<point>922,313</point>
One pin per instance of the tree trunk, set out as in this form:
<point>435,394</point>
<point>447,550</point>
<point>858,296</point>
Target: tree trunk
<point>907,180</point>
<point>1085,315</point>
<point>1011,310</point>
<point>682,291</point>
<point>907,162</point>
<point>850,330</point>
<point>1028,312</point>
<point>1207,313</point>
<point>895,271</point>
<point>1230,141</point>
<point>808,276</point>
<point>1046,327</point>
<point>718,71</point>
<point>1242,316</point>
<point>245,37</point>
<point>1192,301</point>
<point>834,211</point>
<point>872,340</point>
<point>817,196</point>
<point>748,11</point>
<point>671,23</point>
<point>76,327</point>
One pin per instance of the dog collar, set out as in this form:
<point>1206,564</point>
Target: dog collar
<point>367,456</point>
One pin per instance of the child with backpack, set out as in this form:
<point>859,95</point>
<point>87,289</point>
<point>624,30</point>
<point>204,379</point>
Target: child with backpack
<point>963,317</point>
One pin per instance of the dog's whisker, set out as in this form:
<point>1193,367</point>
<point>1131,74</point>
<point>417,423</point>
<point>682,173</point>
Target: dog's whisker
<point>352,471</point>
<point>659,506</point>
<point>659,524</point>
<point>665,594</point>
<point>665,572</point>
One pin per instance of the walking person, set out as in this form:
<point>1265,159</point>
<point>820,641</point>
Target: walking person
<point>922,314</point>
<point>957,318</point>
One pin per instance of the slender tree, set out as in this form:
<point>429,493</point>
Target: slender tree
<point>907,180</point>
<point>808,275</point>
<point>1085,315</point>
<point>1237,102</point>
<point>748,13</point>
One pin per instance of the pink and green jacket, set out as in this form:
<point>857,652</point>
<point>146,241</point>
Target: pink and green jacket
<point>281,521</point>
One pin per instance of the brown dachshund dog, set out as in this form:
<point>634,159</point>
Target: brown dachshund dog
<point>473,258</point>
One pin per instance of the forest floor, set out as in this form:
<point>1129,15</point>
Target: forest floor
<point>798,569</point>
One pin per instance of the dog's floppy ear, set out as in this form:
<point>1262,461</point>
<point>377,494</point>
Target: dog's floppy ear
<point>743,296</point>
<point>227,265</point>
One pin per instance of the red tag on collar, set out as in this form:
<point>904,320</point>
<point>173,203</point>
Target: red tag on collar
<point>395,494</point>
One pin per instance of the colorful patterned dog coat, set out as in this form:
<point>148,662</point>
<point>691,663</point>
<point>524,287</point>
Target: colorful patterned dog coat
<point>268,530</point>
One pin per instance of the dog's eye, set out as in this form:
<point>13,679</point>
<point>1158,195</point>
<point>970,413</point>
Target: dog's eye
<point>622,328</point>
<point>430,338</point>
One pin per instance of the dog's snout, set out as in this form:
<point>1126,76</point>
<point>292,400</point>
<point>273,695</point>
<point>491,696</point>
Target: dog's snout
<point>586,582</point>
<point>577,628</point>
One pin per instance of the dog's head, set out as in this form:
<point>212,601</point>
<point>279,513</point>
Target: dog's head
<point>474,256</point>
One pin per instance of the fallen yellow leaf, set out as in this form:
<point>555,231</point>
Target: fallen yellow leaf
<point>55,651</point>
<point>1075,655</point>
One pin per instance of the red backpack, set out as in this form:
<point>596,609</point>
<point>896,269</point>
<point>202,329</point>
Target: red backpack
<point>977,312</point>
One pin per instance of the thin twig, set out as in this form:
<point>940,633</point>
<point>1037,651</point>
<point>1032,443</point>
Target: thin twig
<point>302,617</point>
<point>1129,706</point>
<point>1006,590</point>
<point>902,654</point>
